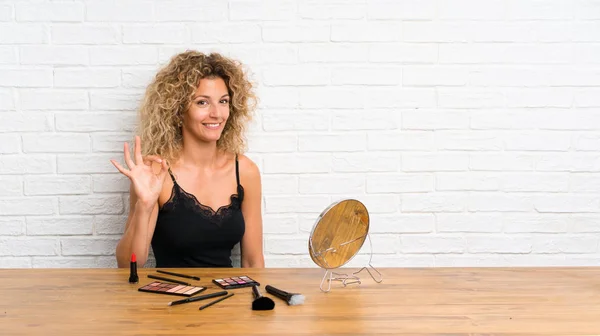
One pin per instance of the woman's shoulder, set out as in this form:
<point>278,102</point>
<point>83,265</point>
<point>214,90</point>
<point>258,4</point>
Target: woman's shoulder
<point>248,169</point>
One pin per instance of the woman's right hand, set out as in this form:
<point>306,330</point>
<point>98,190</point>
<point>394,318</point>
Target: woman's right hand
<point>146,184</point>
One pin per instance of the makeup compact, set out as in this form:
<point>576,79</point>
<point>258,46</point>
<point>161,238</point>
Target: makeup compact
<point>171,289</point>
<point>235,282</point>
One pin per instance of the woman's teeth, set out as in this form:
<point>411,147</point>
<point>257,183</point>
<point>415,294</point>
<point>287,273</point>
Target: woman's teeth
<point>212,125</point>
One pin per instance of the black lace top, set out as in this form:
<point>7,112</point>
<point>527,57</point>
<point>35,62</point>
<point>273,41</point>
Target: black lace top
<point>191,234</point>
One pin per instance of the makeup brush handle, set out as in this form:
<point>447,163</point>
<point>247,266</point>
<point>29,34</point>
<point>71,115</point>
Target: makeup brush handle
<point>277,292</point>
<point>256,292</point>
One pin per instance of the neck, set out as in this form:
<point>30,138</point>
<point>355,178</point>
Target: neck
<point>198,153</point>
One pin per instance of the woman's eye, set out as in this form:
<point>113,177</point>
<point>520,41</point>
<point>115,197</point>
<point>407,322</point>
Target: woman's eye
<point>202,102</point>
<point>224,101</point>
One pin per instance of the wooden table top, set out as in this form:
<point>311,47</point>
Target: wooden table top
<point>415,301</point>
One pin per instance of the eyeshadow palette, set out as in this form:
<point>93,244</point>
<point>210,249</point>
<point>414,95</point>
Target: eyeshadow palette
<point>235,282</point>
<point>171,289</point>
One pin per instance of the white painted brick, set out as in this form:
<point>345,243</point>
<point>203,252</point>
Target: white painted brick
<point>88,246</point>
<point>72,262</point>
<point>490,201</point>
<point>136,77</point>
<point>433,202</point>
<point>295,120</point>
<point>56,143</point>
<point>12,185</point>
<point>539,98</point>
<point>432,244</point>
<point>402,97</point>
<point>297,32</point>
<point>110,183</point>
<point>279,184</point>
<point>500,260</point>
<point>554,141</point>
<point>28,247</point>
<point>471,181</point>
<point>12,226</point>
<point>119,11</point>
<point>472,10</point>
<point>59,226</point>
<point>349,120</point>
<point>471,98</point>
<point>366,75</point>
<point>297,163</point>
<point>281,97</point>
<point>468,222</point>
<point>15,262</point>
<point>430,31</point>
<point>516,53</point>
<point>263,54</point>
<point>406,53</point>
<point>574,162</point>
<point>82,122</point>
<point>124,55</point>
<point>53,55</point>
<point>251,10</point>
<point>190,11</point>
<point>415,162</point>
<point>366,31</point>
<point>565,244</point>
<point>567,203</point>
<point>57,185</point>
<point>404,141</point>
<point>505,76</point>
<point>296,75</point>
<point>120,100</point>
<point>110,142</point>
<point>376,203</point>
<point>587,10</point>
<point>23,33</point>
<point>405,223</point>
<point>8,55</point>
<point>297,204</point>
<point>109,224</point>
<point>280,224</point>
<point>584,223</point>
<point>535,223</point>
<point>158,33</point>
<point>326,52</point>
<point>539,10</point>
<point>535,182</point>
<point>53,99</point>
<point>86,164</point>
<point>273,143</point>
<point>91,205</point>
<point>27,164</point>
<point>24,77</point>
<point>330,97</point>
<point>585,183</point>
<point>401,10</point>
<point>6,12</point>
<point>499,244</point>
<point>418,75</point>
<point>53,11</point>
<point>585,53</point>
<point>15,206</point>
<point>336,9</point>
<point>589,97</point>
<point>286,245</point>
<point>307,221</point>
<point>107,78</point>
<point>331,184</point>
<point>513,161</point>
<point>507,119</point>
<point>85,34</point>
<point>7,100</point>
<point>341,142</point>
<point>10,143</point>
<point>435,119</point>
<point>468,141</point>
<point>523,31</point>
<point>366,162</point>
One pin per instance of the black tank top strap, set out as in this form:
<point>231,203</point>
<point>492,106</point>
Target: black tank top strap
<point>171,174</point>
<point>237,170</point>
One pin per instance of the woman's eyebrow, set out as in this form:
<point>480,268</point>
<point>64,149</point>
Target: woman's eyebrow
<point>204,96</point>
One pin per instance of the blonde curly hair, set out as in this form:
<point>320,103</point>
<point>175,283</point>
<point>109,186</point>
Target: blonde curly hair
<point>170,93</point>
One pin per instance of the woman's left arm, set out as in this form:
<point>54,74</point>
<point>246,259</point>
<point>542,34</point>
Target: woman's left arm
<point>252,242</point>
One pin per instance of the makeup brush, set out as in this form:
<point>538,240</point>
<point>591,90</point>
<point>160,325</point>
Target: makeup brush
<point>261,302</point>
<point>292,299</point>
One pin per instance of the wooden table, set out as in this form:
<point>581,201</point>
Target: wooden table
<point>421,301</point>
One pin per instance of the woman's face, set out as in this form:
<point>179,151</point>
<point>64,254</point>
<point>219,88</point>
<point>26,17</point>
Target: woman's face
<point>208,111</point>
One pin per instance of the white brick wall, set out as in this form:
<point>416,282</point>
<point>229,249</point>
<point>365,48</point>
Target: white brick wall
<point>470,129</point>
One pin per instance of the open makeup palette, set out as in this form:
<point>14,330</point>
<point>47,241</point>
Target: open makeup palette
<point>171,289</point>
<point>236,282</point>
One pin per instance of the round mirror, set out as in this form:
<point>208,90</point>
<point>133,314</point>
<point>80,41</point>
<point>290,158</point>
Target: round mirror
<point>339,233</point>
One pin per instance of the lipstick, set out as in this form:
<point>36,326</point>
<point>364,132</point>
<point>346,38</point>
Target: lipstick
<point>133,276</point>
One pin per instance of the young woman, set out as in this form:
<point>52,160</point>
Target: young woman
<point>193,194</point>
